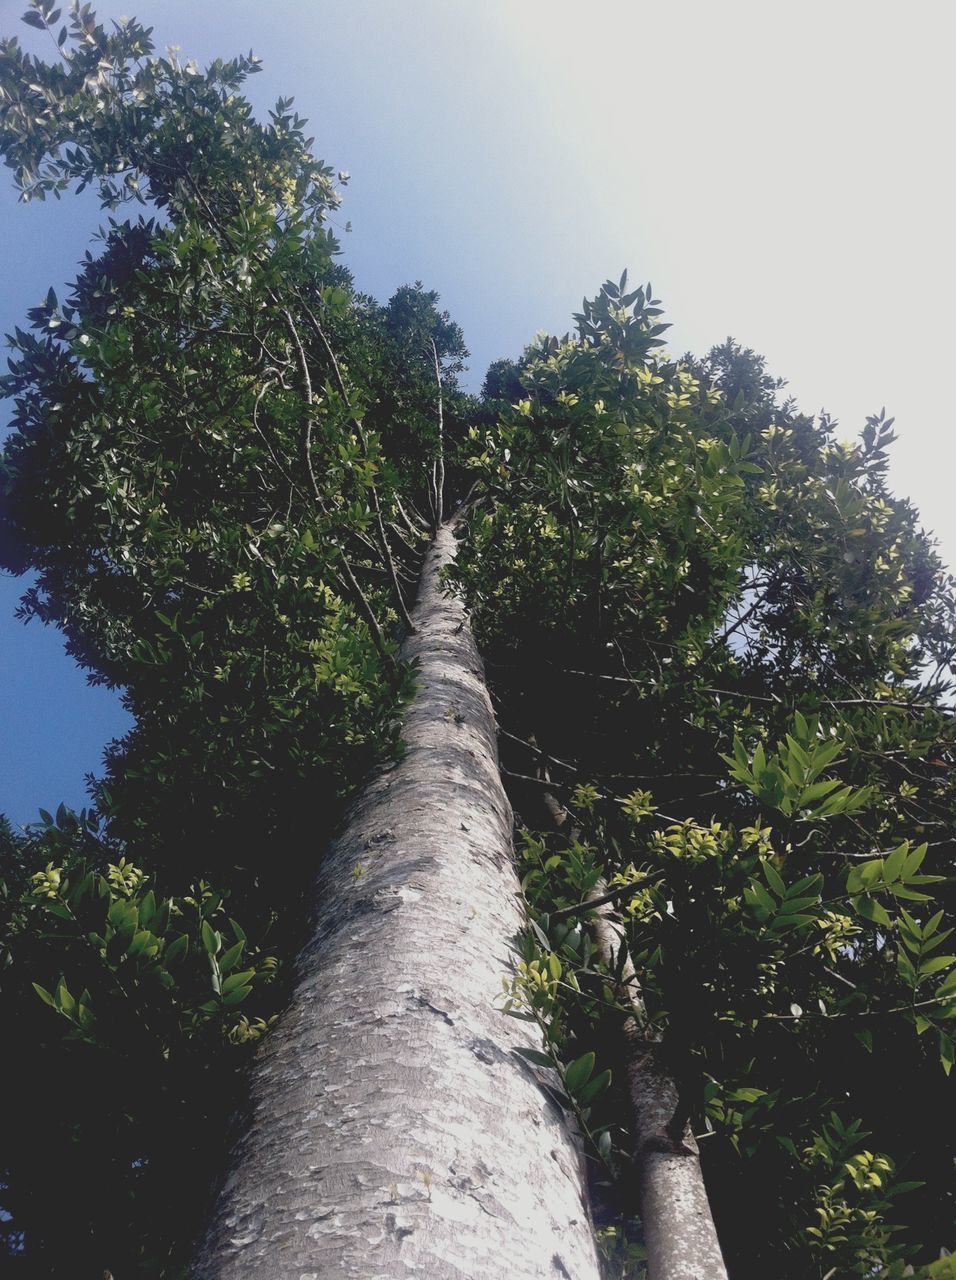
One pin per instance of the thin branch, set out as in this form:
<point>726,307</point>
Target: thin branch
<point>265,438</point>
<point>438,467</point>
<point>935,1001</point>
<point>321,335</point>
<point>605,777</point>
<point>376,505</point>
<point>549,784</point>
<point>306,441</point>
<point>390,563</point>
<point>612,895</point>
<point>407,520</point>
<point>358,595</point>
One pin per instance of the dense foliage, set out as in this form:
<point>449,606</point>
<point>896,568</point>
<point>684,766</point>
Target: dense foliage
<point>222,475</point>
<point>720,649</point>
<point>720,642</point>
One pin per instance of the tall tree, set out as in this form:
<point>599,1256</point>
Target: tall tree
<point>219,458</point>
<point>720,654</point>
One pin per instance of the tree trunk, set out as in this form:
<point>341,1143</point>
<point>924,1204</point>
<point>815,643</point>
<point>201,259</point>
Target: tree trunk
<point>679,1232</point>
<point>392,1129</point>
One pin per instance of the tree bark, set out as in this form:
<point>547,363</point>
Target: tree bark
<point>392,1129</point>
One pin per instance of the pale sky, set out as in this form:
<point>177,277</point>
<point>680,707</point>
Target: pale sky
<point>781,173</point>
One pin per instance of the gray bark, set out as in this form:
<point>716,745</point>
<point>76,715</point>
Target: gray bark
<point>679,1232</point>
<point>392,1129</point>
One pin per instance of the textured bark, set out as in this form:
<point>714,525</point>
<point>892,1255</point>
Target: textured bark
<point>679,1232</point>
<point>392,1129</point>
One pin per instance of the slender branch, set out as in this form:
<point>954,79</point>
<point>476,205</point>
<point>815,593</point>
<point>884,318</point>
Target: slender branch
<point>742,618</point>
<point>935,1001</point>
<point>390,564</point>
<point>265,438</point>
<point>327,346</point>
<point>358,595</point>
<point>878,703</point>
<point>305,446</point>
<point>612,895</point>
<point>542,755</point>
<point>356,592</point>
<point>373,488</point>
<point>416,531</point>
<point>549,784</point>
<point>438,467</point>
<point>605,777</point>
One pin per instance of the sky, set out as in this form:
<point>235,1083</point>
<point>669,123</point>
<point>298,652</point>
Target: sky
<point>780,173</point>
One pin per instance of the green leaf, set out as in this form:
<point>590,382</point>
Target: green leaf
<point>579,1072</point>
<point>147,908</point>
<point>931,925</point>
<point>597,1085</point>
<point>142,941</point>
<point>763,897</point>
<point>798,904</point>
<point>806,885</point>
<point>774,879</point>
<point>864,875</point>
<point>534,1055</point>
<point>911,895</point>
<point>947,1052</point>
<point>211,940</point>
<point>791,921</point>
<point>825,753</point>
<point>123,916</point>
<point>747,1094</point>
<point>800,756</point>
<point>63,1000</point>
<point>58,909</point>
<point>176,949</point>
<point>895,862</point>
<point>818,789</point>
<point>872,910</point>
<point>838,802</point>
<point>914,861</point>
<point>230,958</point>
<point>238,980</point>
<point>44,995</point>
<point>236,995</point>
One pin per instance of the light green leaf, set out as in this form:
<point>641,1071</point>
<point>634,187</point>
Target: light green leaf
<point>579,1072</point>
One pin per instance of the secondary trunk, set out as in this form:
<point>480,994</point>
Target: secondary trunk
<point>392,1129</point>
<point>679,1231</point>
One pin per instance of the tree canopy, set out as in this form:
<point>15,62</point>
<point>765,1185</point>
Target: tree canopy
<point>720,649</point>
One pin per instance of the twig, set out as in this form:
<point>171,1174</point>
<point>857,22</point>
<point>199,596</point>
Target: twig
<point>612,895</point>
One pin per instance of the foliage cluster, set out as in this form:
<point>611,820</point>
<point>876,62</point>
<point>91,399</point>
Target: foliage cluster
<point>720,651</point>
<point>127,1084</point>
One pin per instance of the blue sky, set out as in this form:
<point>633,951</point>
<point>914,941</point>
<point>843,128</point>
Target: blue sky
<point>781,174</point>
